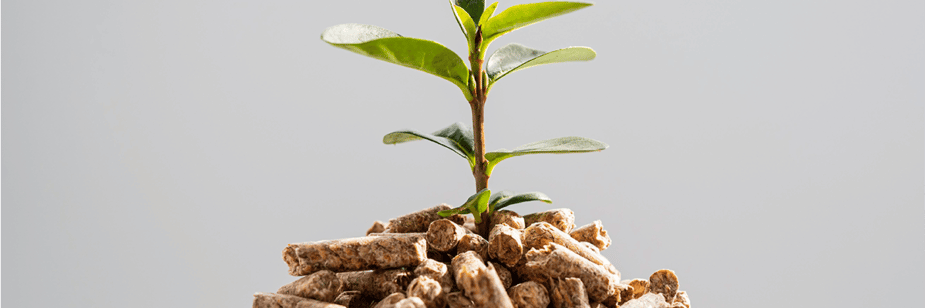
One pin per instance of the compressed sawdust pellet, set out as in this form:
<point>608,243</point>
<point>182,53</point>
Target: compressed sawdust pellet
<point>593,233</point>
<point>473,242</point>
<point>273,300</point>
<point>479,283</point>
<point>353,299</point>
<point>649,300</point>
<point>420,220</point>
<point>563,219</point>
<point>664,282</point>
<point>555,261</point>
<point>510,218</point>
<point>356,254</point>
<point>377,284</point>
<point>539,234</point>
<point>530,294</point>
<point>428,290</point>
<point>503,273</point>
<point>321,285</point>
<point>621,294</point>
<point>640,287</point>
<point>437,271</point>
<point>568,293</point>
<point>591,246</point>
<point>505,244</point>
<point>458,300</point>
<point>444,234</point>
<point>682,299</point>
<point>378,227</point>
<point>390,300</point>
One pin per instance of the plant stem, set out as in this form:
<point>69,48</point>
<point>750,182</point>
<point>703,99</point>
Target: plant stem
<point>477,104</point>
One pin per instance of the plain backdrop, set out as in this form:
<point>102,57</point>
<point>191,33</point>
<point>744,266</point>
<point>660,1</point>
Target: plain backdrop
<point>163,153</point>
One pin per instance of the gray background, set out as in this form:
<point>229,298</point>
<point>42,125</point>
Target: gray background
<point>163,153</point>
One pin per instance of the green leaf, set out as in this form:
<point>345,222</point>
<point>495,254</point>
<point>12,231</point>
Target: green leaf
<point>520,198</point>
<point>515,57</point>
<point>465,22</point>
<point>522,15</point>
<point>473,7</point>
<point>478,204</point>
<point>457,138</point>
<point>552,146</point>
<point>504,194</point>
<point>419,54</point>
<point>488,12</point>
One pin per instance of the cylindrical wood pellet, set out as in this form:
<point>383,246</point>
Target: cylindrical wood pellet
<point>593,233</point>
<point>353,299</point>
<point>428,290</point>
<point>458,300</point>
<point>505,244</point>
<point>378,227</point>
<point>664,282</point>
<point>321,285</point>
<point>647,301</point>
<point>420,220</point>
<point>377,284</point>
<point>506,278</point>
<point>568,293</point>
<point>640,287</point>
<point>273,300</point>
<point>436,271</point>
<point>444,234</point>
<point>479,283</point>
<point>356,254</point>
<point>530,294</point>
<point>557,262</point>
<point>473,242</point>
<point>539,234</point>
<point>510,218</point>
<point>563,219</point>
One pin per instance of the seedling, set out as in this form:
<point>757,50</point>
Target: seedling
<point>481,27</point>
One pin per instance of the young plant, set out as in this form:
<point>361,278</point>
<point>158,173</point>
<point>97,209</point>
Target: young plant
<point>481,27</point>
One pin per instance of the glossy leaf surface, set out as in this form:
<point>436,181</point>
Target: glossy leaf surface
<point>523,15</point>
<point>562,145</point>
<point>488,12</point>
<point>476,205</point>
<point>456,137</point>
<point>419,54</point>
<point>519,198</point>
<point>473,7</point>
<point>515,57</point>
<point>465,22</point>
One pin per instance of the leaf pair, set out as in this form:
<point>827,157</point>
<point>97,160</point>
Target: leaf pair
<point>458,138</point>
<point>481,202</point>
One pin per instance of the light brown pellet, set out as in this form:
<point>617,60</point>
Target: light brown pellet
<point>356,254</point>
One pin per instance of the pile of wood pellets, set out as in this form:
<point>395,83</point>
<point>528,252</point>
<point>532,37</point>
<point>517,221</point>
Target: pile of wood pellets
<point>424,260</point>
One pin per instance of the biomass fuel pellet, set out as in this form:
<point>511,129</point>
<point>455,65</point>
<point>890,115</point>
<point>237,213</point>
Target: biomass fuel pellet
<point>273,300</point>
<point>539,234</point>
<point>557,262</point>
<point>682,299</point>
<point>640,286</point>
<point>503,273</point>
<point>568,293</point>
<point>593,233</point>
<point>564,219</point>
<point>664,282</point>
<point>428,290</point>
<point>356,254</point>
<point>505,244</point>
<point>353,299</point>
<point>473,242</point>
<point>436,271</point>
<point>378,227</point>
<point>377,284</point>
<point>420,220</point>
<point>530,294</point>
<point>621,294</point>
<point>443,235</point>
<point>458,300</point>
<point>649,300</point>
<point>321,285</point>
<point>510,218</point>
<point>479,283</point>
